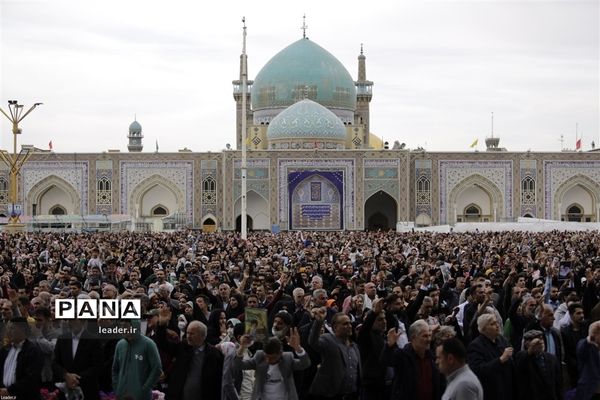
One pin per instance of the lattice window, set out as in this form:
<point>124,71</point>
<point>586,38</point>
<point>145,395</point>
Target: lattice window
<point>423,190</point>
<point>58,210</point>
<point>423,184</point>
<point>159,211</point>
<point>209,191</point>
<point>528,191</point>
<point>104,193</point>
<point>3,191</point>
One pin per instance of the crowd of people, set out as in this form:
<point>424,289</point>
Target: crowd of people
<point>350,315</point>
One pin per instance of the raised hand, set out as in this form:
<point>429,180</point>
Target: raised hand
<point>392,337</point>
<point>164,315</point>
<point>320,314</point>
<point>378,305</point>
<point>294,340</point>
<point>245,341</point>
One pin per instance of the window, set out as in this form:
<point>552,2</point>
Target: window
<point>472,210</point>
<point>209,190</point>
<point>209,184</point>
<point>58,210</point>
<point>3,184</point>
<point>574,209</point>
<point>104,184</point>
<point>423,184</point>
<point>528,184</point>
<point>528,191</point>
<point>159,211</point>
<point>574,213</point>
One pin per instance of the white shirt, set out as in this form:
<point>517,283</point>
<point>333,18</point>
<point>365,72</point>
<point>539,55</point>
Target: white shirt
<point>10,365</point>
<point>274,387</point>
<point>75,342</point>
<point>402,337</point>
<point>247,380</point>
<point>460,315</point>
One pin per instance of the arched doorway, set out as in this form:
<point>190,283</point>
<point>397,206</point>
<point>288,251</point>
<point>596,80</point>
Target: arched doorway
<point>477,191</point>
<point>58,210</point>
<point>209,225</point>
<point>381,212</point>
<point>159,211</point>
<point>581,192</point>
<point>257,208</point>
<point>238,223</point>
<point>50,192</point>
<point>574,213</point>
<point>472,213</point>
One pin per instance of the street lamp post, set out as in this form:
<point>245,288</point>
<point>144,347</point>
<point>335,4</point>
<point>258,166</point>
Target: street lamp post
<point>16,160</point>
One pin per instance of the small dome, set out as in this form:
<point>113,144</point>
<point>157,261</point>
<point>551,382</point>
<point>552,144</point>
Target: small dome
<point>135,128</point>
<point>306,119</point>
<point>303,66</point>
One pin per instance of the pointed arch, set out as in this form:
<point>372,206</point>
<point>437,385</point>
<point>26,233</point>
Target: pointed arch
<point>258,210</point>
<point>209,223</point>
<point>159,211</point>
<point>381,211</point>
<point>209,184</point>
<point>137,194</point>
<point>496,198</point>
<point>57,210</point>
<point>207,217</point>
<point>587,184</point>
<point>37,192</point>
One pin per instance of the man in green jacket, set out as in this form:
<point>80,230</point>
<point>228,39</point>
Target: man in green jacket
<point>136,367</point>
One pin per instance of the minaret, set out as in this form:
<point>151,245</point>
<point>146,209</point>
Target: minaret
<point>237,96</point>
<point>135,137</point>
<point>364,93</point>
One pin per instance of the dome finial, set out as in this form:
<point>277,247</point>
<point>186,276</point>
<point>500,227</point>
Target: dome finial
<point>304,26</point>
<point>361,49</point>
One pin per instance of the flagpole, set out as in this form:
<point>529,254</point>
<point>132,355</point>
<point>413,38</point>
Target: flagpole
<point>244,210</point>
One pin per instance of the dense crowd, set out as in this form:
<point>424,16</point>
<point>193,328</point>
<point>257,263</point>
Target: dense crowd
<point>350,315</point>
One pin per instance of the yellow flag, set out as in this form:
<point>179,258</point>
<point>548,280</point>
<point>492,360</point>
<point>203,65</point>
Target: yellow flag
<point>474,144</point>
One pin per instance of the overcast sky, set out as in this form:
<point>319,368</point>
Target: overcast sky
<point>439,68</point>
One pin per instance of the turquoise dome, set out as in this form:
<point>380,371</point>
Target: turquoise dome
<point>303,70</point>
<point>135,128</point>
<point>306,120</point>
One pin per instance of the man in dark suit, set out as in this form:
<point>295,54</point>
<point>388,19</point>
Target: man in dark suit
<point>552,339</point>
<point>340,371</point>
<point>571,334</point>
<point>416,376</point>
<point>21,362</point>
<point>371,341</point>
<point>490,357</point>
<point>538,374</point>
<point>198,368</point>
<point>78,359</point>
<point>588,364</point>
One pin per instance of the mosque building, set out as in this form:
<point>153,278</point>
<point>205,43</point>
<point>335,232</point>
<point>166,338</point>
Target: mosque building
<point>313,164</point>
